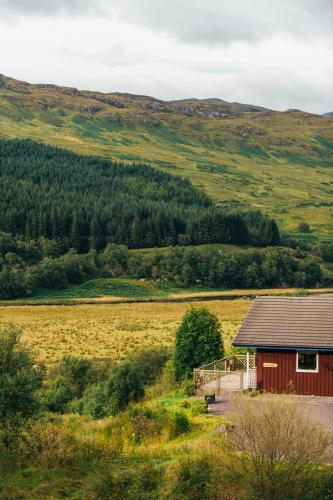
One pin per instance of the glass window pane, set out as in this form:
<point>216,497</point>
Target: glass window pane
<point>307,361</point>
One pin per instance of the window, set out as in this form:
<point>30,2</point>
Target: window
<point>307,361</point>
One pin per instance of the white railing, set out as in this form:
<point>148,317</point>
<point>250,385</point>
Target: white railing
<point>231,363</point>
<point>227,375</point>
<point>250,379</point>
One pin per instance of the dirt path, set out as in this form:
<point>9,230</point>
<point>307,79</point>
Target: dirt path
<point>321,409</point>
<point>221,408</point>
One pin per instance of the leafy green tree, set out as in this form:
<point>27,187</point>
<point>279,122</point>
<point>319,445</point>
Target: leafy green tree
<point>150,362</point>
<point>123,387</point>
<point>77,372</point>
<point>57,395</point>
<point>198,341</point>
<point>51,274</point>
<point>19,379</point>
<point>327,252</point>
<point>94,401</point>
<point>304,227</point>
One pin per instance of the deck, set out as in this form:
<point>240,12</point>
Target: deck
<point>229,375</point>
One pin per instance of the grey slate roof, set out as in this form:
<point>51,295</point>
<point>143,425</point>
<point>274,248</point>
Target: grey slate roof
<point>288,322</point>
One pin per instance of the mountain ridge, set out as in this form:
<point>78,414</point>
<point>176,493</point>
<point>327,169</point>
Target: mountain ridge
<point>14,84</point>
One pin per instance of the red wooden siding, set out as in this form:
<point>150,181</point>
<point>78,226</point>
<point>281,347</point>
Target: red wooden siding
<point>284,378</point>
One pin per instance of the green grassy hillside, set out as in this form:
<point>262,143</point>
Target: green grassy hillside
<point>281,162</point>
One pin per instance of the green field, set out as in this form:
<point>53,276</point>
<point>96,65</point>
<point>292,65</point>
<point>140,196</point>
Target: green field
<point>280,162</point>
<point>114,287</point>
<point>109,331</point>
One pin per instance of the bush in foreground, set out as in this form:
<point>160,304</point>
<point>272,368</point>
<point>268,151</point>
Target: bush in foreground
<point>19,379</point>
<point>274,445</point>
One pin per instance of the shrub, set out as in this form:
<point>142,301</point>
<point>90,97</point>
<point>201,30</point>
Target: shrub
<point>276,444</point>
<point>148,479</point>
<point>149,363</point>
<point>79,372</point>
<point>12,449</point>
<point>167,380</point>
<point>49,445</point>
<point>193,478</point>
<point>57,395</point>
<point>319,484</point>
<point>303,227</point>
<point>179,424</point>
<point>77,385</point>
<point>188,387</point>
<point>123,387</point>
<point>147,422</point>
<point>200,475</point>
<point>19,379</point>
<point>326,252</point>
<point>198,341</point>
<point>198,407</point>
<point>141,481</point>
<point>94,402</point>
<point>50,273</point>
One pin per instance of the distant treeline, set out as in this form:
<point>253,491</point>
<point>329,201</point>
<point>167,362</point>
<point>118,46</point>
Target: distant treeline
<point>86,202</point>
<point>26,266</point>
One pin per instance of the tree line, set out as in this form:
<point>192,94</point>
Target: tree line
<point>29,265</point>
<point>86,202</point>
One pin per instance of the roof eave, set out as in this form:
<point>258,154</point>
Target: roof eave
<point>286,348</point>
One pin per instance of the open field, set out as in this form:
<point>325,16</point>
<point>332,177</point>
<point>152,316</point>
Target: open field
<point>245,157</point>
<point>113,330</point>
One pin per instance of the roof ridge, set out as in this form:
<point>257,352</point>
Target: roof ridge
<point>293,297</point>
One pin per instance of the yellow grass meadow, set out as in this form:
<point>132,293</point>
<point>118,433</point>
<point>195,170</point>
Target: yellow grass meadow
<point>110,330</point>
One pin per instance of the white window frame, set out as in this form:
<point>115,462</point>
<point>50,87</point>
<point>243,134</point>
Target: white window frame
<point>307,351</point>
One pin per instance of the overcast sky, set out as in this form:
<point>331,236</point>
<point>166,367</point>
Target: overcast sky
<point>274,53</point>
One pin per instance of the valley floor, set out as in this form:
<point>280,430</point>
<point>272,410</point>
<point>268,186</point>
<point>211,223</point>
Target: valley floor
<point>113,327</point>
<point>110,330</point>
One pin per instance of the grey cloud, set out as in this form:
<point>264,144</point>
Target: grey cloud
<point>51,7</point>
<point>228,20</point>
<point>117,55</point>
<point>284,60</point>
<point>203,21</point>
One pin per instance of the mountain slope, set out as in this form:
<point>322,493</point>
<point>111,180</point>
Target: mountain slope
<point>87,202</point>
<point>242,155</point>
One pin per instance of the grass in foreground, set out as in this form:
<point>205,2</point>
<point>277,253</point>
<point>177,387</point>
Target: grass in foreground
<point>141,454</point>
<point>110,458</point>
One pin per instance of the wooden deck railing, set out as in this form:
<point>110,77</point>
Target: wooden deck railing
<point>227,375</point>
<point>230,363</point>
